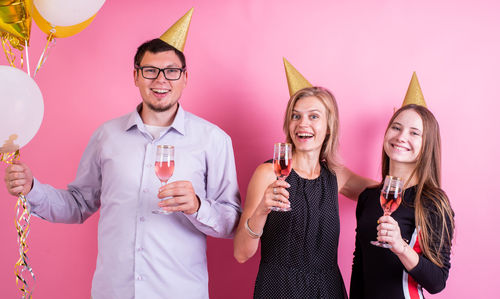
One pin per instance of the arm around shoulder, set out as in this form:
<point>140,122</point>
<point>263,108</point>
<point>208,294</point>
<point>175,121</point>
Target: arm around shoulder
<point>351,184</point>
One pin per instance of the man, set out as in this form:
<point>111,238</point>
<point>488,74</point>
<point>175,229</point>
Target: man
<point>142,254</point>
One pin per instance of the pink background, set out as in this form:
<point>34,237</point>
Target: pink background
<point>364,51</point>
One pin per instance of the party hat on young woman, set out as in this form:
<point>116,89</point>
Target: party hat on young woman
<point>295,80</point>
<point>414,93</point>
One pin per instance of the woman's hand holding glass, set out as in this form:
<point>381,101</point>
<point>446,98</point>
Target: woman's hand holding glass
<point>275,196</point>
<point>388,232</point>
<point>391,196</point>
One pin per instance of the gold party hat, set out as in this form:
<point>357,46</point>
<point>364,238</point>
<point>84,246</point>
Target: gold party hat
<point>176,35</point>
<point>295,80</point>
<point>414,94</point>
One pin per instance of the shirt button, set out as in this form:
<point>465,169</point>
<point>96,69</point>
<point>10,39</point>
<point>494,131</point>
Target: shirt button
<point>150,165</point>
<point>139,277</point>
<point>145,190</point>
<point>140,249</point>
<point>142,219</point>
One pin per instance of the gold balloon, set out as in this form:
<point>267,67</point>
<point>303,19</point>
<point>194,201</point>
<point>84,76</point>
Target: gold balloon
<point>15,21</point>
<point>58,31</point>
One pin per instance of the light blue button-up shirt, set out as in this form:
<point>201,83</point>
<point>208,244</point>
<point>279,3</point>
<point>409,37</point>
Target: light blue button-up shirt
<point>141,254</point>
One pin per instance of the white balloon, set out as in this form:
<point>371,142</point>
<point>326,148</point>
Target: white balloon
<point>21,108</point>
<point>67,12</point>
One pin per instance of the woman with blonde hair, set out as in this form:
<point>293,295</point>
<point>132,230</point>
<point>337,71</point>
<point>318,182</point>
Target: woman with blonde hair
<point>299,247</point>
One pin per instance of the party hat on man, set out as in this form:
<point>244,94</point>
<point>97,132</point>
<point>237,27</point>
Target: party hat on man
<point>295,80</point>
<point>414,93</point>
<point>176,35</point>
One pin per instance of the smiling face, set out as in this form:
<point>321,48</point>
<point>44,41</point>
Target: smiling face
<point>403,139</point>
<point>308,124</point>
<point>159,95</point>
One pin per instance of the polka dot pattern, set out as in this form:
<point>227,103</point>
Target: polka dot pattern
<point>299,247</point>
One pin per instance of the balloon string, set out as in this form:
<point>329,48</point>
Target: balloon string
<point>51,41</point>
<point>9,158</point>
<point>22,60</point>
<point>27,57</point>
<point>22,222</point>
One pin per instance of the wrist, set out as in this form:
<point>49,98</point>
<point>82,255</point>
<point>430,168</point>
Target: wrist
<point>252,233</point>
<point>403,251</point>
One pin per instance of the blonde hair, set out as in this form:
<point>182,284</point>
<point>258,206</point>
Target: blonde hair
<point>430,199</point>
<point>330,144</point>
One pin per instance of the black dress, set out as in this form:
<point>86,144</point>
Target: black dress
<point>299,247</point>
<point>377,273</point>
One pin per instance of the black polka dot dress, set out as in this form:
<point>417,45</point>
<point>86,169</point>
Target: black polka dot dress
<point>299,247</point>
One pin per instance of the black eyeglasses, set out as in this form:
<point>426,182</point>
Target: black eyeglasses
<point>151,72</point>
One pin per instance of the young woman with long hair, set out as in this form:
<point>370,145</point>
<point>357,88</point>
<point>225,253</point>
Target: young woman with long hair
<point>420,231</point>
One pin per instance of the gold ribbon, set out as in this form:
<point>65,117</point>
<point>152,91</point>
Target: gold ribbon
<point>8,42</point>
<point>51,41</point>
<point>22,222</point>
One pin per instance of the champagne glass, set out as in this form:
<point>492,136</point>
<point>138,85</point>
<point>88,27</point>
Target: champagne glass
<point>390,199</point>
<point>164,167</point>
<point>282,162</point>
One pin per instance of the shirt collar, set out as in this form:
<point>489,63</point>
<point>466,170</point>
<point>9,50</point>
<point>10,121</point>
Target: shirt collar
<point>135,120</point>
<point>179,121</point>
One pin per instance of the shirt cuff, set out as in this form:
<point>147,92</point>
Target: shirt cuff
<point>35,196</point>
<point>203,212</point>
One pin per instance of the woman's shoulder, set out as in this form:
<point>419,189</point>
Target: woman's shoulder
<point>366,198</point>
<point>434,199</point>
<point>371,191</point>
<point>437,206</point>
<point>262,177</point>
<point>265,170</point>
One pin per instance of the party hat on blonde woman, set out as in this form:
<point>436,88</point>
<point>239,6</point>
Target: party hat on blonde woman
<point>295,80</point>
<point>176,35</point>
<point>414,93</point>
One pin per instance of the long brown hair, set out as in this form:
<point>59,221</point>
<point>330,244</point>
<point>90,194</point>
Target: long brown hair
<point>432,207</point>
<point>330,144</point>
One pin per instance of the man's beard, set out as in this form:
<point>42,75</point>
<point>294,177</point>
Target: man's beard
<point>160,109</point>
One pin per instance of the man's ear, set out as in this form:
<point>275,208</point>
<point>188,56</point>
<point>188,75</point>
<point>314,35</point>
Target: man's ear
<point>136,73</point>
